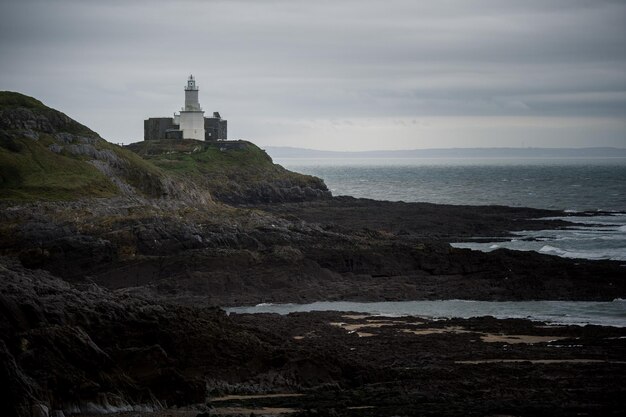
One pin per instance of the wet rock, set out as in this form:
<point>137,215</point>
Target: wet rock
<point>39,410</point>
<point>69,256</point>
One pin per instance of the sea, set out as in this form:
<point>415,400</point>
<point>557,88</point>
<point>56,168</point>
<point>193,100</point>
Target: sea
<point>589,192</point>
<point>572,185</point>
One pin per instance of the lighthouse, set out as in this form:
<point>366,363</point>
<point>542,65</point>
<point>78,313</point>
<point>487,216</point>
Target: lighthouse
<point>192,116</point>
<point>190,123</point>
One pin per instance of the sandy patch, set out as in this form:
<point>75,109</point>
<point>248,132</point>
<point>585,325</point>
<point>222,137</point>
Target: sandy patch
<point>510,339</point>
<point>368,324</point>
<point>307,335</point>
<point>355,316</point>
<point>355,327</point>
<point>385,322</point>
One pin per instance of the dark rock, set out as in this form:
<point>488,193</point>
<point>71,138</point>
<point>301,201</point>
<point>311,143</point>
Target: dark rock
<point>39,410</point>
<point>151,340</point>
<point>69,256</point>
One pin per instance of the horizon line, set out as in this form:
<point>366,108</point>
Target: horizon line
<point>451,148</point>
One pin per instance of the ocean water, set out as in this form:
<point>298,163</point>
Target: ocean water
<point>612,313</point>
<point>572,185</point>
<point>559,184</point>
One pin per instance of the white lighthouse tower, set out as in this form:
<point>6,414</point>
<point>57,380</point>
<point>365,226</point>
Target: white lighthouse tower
<point>192,116</point>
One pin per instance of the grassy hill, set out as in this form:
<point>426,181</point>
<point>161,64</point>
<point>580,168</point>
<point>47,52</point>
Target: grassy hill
<point>236,172</point>
<point>46,155</point>
<point>29,171</point>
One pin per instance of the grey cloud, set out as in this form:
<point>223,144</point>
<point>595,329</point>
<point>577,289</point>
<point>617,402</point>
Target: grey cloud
<point>327,59</point>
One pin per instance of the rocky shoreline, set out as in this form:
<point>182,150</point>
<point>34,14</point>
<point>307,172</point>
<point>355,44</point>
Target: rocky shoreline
<point>109,305</point>
<point>86,348</point>
<point>304,252</point>
<point>115,263</point>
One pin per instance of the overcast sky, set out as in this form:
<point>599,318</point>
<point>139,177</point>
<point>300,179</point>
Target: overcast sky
<point>332,74</point>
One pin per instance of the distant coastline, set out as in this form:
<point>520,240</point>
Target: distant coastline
<point>604,152</point>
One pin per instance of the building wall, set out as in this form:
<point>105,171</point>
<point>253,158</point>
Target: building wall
<point>155,127</point>
<point>174,134</point>
<point>191,100</point>
<point>223,130</point>
<point>215,129</point>
<point>192,124</point>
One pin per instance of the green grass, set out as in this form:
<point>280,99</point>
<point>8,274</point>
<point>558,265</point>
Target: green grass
<point>10,100</point>
<point>218,166</point>
<point>211,160</point>
<point>30,171</point>
<point>35,173</point>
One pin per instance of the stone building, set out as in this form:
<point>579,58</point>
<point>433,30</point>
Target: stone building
<point>190,123</point>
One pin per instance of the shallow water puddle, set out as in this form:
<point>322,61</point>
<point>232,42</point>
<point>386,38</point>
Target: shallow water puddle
<point>580,313</point>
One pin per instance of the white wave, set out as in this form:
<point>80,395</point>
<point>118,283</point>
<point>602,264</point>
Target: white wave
<point>548,248</point>
<point>600,238</point>
<point>602,219</point>
<point>618,254</point>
